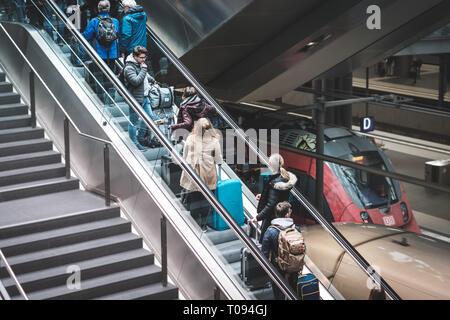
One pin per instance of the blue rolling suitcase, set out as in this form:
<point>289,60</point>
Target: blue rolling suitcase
<point>229,193</point>
<point>308,287</point>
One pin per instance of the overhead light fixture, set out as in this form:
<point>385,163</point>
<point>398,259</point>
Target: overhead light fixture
<point>315,42</point>
<point>298,115</point>
<point>259,106</point>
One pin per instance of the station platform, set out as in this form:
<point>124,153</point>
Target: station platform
<point>426,86</point>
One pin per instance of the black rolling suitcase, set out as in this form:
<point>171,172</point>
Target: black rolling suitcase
<point>171,173</point>
<point>252,273</point>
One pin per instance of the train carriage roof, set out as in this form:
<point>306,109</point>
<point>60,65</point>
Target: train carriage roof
<point>339,142</point>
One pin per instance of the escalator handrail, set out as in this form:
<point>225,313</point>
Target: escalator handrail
<point>262,260</point>
<point>338,237</point>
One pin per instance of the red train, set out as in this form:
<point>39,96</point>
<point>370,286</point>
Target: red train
<point>351,195</point>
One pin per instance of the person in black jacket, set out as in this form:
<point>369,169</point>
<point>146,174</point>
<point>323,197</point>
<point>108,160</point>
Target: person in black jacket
<point>275,190</point>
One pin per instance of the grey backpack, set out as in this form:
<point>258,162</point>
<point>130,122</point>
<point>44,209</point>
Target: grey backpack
<point>106,32</point>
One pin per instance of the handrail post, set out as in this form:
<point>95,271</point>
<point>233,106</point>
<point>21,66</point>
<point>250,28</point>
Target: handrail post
<point>67,146</point>
<point>32,100</point>
<point>164,250</point>
<point>320,121</point>
<point>107,175</point>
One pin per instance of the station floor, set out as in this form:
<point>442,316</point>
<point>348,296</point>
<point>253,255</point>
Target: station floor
<point>426,86</point>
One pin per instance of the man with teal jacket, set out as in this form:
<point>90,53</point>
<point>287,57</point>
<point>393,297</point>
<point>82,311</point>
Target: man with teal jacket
<point>134,32</point>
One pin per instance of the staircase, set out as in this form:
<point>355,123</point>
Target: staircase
<point>48,224</point>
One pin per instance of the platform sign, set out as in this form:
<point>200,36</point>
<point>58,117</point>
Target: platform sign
<point>366,124</point>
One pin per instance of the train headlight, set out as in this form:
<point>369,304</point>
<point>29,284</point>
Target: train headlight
<point>405,212</point>
<point>365,216</point>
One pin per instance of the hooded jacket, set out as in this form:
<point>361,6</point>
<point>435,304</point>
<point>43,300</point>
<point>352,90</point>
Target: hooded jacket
<point>91,35</point>
<point>135,79</point>
<point>192,109</point>
<point>275,190</point>
<point>134,32</point>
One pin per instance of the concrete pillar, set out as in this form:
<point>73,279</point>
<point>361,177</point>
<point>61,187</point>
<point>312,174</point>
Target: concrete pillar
<point>443,66</point>
<point>317,86</point>
<point>402,66</point>
<point>339,116</point>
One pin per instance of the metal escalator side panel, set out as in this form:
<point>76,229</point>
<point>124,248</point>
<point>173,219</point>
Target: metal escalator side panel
<point>182,25</point>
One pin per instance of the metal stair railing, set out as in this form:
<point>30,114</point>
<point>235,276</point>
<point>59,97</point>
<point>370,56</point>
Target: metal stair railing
<point>3,291</point>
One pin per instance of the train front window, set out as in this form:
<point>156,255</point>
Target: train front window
<point>368,189</point>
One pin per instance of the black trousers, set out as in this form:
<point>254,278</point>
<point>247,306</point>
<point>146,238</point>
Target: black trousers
<point>291,279</point>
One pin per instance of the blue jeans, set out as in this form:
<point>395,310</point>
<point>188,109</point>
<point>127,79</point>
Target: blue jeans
<point>20,10</point>
<point>134,119</point>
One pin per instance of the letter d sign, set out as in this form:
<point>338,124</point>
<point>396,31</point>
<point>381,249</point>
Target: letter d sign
<point>366,124</point>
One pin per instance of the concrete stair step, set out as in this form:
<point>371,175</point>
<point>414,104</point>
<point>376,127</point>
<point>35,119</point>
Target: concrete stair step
<point>36,188</point>
<point>16,134</point>
<point>23,175</point>
<point>9,97</point>
<point>64,236</point>
<point>29,159</point>
<point>15,121</point>
<point>122,122</point>
<point>67,255</point>
<point>236,267</point>
<point>231,250</point>
<point>25,146</point>
<point>89,269</point>
<point>101,286</point>
<point>5,87</point>
<point>154,291</point>
<point>65,220</point>
<point>121,110</point>
<point>13,109</point>
<point>217,237</point>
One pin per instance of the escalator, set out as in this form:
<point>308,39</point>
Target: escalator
<point>257,50</point>
<point>198,261</point>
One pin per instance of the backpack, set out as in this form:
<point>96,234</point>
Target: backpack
<point>291,248</point>
<point>121,75</point>
<point>106,32</point>
<point>161,97</point>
